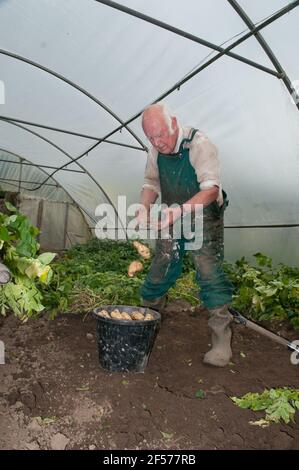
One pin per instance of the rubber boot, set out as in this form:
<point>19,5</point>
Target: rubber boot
<point>5,275</point>
<point>221,352</point>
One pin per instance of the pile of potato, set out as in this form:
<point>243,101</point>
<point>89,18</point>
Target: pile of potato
<point>137,316</point>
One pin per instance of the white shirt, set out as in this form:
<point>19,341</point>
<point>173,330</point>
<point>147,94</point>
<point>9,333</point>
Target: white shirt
<point>203,157</point>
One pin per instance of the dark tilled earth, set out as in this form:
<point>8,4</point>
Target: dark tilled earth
<point>54,394</point>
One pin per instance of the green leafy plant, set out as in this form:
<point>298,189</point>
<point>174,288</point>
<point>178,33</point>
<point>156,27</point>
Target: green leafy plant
<point>96,274</point>
<point>200,394</point>
<point>280,404</point>
<point>46,420</point>
<point>265,292</point>
<point>19,251</point>
<point>91,275</point>
<point>185,289</point>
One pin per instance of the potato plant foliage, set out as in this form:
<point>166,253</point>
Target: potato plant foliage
<point>95,274</point>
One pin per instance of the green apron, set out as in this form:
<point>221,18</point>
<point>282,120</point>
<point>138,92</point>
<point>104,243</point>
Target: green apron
<point>178,181</point>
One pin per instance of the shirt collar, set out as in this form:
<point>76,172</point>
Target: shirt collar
<point>179,140</point>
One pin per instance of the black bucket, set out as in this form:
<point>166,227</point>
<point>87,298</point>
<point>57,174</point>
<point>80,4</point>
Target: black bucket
<point>125,345</point>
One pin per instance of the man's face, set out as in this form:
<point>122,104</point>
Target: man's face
<point>159,135</point>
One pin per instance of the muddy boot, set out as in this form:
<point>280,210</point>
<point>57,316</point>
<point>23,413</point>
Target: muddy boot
<point>5,275</point>
<point>221,352</point>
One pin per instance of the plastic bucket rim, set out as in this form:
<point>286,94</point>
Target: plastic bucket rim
<point>125,322</point>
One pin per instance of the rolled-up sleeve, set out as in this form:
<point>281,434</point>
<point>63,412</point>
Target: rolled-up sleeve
<point>151,174</point>
<point>204,159</point>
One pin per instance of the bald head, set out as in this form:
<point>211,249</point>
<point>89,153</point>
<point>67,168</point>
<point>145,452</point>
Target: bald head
<point>160,127</point>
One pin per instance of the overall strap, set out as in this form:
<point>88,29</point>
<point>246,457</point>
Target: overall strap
<point>189,139</point>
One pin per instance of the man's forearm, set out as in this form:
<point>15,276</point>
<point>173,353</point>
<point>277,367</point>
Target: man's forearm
<point>204,197</point>
<point>148,197</point>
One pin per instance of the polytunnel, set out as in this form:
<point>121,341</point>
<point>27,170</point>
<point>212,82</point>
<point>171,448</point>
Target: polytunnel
<point>75,77</point>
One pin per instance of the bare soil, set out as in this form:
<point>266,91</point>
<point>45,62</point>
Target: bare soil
<point>54,394</point>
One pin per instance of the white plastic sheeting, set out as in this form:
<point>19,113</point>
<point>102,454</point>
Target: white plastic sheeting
<point>115,64</point>
<point>61,224</point>
<point>25,177</point>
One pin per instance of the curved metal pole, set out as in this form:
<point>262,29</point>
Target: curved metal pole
<point>59,149</point>
<point>259,37</point>
<point>42,166</point>
<point>19,181</point>
<point>184,34</point>
<point>191,75</point>
<point>59,169</point>
<point>74,85</point>
<point>49,176</point>
<point>177,85</point>
<point>43,171</point>
<point>48,141</point>
<point>73,160</point>
<point>63,131</point>
<point>262,25</point>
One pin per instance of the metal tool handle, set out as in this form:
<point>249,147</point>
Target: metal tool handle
<point>259,329</point>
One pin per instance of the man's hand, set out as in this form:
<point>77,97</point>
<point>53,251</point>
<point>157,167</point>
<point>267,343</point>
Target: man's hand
<point>148,197</point>
<point>168,218</point>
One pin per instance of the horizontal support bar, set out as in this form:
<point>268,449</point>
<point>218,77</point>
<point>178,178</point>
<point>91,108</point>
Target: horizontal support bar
<point>29,182</point>
<point>41,166</point>
<point>64,131</point>
<point>263,226</point>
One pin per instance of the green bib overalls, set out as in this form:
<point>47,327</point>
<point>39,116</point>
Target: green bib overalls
<point>178,182</point>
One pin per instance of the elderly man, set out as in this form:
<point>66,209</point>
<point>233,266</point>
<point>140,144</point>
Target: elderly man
<point>183,167</point>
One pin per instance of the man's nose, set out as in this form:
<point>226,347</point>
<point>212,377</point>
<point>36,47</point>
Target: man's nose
<point>156,141</point>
